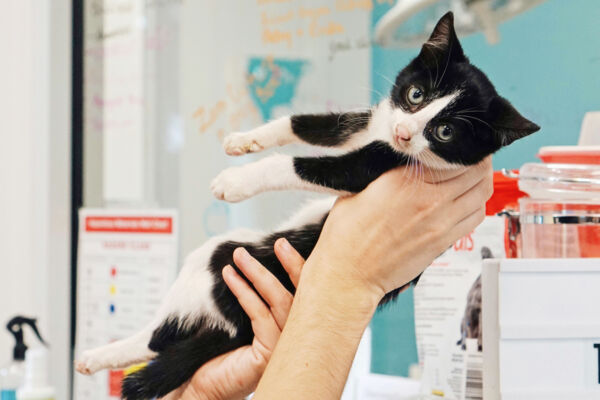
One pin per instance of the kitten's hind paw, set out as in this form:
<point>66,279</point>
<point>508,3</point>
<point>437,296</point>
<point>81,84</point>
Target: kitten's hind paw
<point>239,143</point>
<point>231,185</point>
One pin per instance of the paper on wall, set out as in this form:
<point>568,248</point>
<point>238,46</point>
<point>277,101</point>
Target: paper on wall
<point>127,261</point>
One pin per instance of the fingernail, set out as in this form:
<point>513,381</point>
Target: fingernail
<point>285,245</point>
<point>242,253</point>
<point>228,269</point>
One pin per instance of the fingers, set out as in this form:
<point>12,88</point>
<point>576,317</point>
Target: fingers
<point>267,285</point>
<point>291,260</point>
<point>263,323</point>
<point>467,225</point>
<point>176,394</point>
<point>458,185</point>
<point>472,199</point>
<point>431,175</point>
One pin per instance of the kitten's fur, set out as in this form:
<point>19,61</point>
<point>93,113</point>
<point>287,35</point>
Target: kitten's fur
<point>200,318</point>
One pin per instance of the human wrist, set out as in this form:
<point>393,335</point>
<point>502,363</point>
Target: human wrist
<point>339,288</point>
<point>328,316</point>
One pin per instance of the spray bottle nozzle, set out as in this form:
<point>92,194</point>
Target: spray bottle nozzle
<point>15,327</point>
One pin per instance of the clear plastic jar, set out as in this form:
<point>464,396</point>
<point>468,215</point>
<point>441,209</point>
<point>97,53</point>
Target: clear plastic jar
<point>561,218</point>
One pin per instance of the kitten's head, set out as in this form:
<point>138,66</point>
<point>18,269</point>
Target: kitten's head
<point>445,111</point>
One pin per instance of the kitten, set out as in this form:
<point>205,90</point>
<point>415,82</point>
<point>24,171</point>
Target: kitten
<point>442,112</point>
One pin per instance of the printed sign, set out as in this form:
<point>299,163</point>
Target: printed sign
<point>127,260</point>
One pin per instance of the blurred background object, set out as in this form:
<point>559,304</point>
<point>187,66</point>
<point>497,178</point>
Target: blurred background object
<point>409,22</point>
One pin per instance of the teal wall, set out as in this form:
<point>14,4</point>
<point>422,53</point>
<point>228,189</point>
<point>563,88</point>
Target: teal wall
<point>548,65</point>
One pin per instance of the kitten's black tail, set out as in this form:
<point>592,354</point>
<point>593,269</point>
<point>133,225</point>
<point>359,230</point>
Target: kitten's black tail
<point>177,363</point>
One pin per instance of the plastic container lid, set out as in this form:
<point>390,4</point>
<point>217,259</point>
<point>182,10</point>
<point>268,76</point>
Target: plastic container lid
<point>560,181</point>
<point>570,154</point>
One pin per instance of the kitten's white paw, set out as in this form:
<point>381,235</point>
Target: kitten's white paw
<point>88,364</point>
<point>231,185</point>
<point>239,143</point>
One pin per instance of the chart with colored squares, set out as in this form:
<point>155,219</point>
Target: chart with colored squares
<point>126,262</point>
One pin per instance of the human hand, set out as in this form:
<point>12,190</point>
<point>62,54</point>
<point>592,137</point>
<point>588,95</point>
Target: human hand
<point>234,375</point>
<point>386,235</point>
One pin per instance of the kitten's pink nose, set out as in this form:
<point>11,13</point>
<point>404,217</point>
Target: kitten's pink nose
<point>402,133</point>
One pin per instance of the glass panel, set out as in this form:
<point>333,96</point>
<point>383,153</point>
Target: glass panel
<point>166,80</point>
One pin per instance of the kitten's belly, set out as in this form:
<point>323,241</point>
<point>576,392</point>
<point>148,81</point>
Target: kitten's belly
<point>303,239</point>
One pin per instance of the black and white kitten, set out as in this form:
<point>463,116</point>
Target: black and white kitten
<point>443,112</point>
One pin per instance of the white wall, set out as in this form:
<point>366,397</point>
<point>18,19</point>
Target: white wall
<point>35,89</point>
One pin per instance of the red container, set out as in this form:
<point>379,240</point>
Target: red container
<point>505,201</point>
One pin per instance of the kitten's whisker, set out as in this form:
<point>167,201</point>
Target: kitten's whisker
<point>355,116</point>
<point>412,166</point>
<point>418,169</point>
<point>469,110</point>
<point>436,65</point>
<point>371,90</point>
<point>359,108</point>
<point>465,120</point>
<point>412,170</point>
<point>430,78</point>
<point>409,169</point>
<point>426,159</point>
<point>386,78</point>
<point>447,62</point>
<point>437,70</point>
<point>480,120</point>
<point>420,175</point>
<point>405,173</point>
<point>435,174</point>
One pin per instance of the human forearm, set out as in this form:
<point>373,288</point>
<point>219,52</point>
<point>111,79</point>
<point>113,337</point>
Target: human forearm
<point>317,346</point>
<point>371,243</point>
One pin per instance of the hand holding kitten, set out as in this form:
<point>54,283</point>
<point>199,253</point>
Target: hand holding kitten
<point>388,234</point>
<point>234,375</point>
<point>372,243</point>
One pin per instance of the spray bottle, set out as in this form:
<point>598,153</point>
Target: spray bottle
<point>12,376</point>
<point>35,386</point>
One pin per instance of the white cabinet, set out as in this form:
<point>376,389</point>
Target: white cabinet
<point>541,329</point>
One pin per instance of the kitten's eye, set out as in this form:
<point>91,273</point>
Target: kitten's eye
<point>415,95</point>
<point>444,133</point>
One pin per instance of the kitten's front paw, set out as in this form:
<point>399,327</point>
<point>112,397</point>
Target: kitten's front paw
<point>231,185</point>
<point>88,364</point>
<point>239,143</point>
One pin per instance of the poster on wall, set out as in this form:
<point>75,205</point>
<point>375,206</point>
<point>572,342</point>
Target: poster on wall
<point>127,260</point>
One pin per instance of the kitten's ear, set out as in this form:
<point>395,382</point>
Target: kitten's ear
<point>508,124</point>
<point>443,43</point>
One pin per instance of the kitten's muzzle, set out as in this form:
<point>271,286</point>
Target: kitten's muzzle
<point>402,134</point>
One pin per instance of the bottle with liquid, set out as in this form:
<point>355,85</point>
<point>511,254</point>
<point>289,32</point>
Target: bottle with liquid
<point>12,376</point>
<point>35,386</point>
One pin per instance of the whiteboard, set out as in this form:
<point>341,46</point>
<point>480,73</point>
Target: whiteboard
<point>246,62</point>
